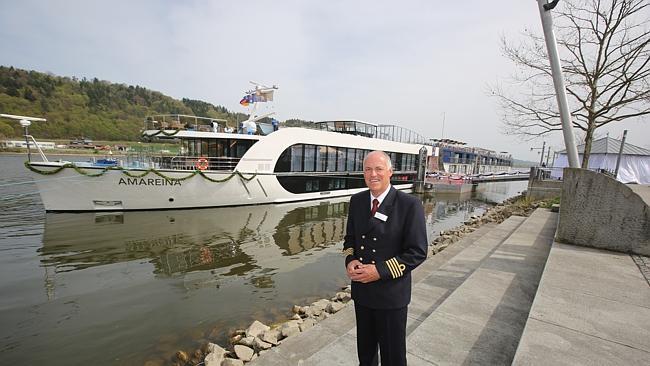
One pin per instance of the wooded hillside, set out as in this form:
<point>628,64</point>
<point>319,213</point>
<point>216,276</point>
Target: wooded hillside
<point>95,109</point>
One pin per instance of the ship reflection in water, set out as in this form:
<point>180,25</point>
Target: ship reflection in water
<point>228,241</point>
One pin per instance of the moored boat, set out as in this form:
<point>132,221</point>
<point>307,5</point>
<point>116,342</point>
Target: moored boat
<point>217,166</point>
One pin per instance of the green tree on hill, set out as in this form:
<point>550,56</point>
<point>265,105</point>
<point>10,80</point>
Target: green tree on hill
<point>93,108</point>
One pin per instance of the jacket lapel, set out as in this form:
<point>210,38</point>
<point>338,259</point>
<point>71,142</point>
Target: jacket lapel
<point>385,208</point>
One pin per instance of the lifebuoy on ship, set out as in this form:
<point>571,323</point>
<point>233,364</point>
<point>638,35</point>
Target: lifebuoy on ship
<point>202,164</point>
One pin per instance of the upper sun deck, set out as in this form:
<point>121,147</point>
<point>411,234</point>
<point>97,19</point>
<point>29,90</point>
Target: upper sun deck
<point>384,132</point>
<point>182,122</point>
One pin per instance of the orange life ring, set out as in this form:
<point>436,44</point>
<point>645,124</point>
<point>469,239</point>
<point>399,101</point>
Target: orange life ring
<point>202,164</point>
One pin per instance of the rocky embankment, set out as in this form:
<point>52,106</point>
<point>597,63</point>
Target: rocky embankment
<point>247,344</point>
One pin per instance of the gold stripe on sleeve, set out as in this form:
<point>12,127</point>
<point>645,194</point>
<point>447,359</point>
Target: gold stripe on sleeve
<point>399,266</point>
<point>393,268</point>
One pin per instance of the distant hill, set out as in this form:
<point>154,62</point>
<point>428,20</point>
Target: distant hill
<point>516,163</point>
<point>95,109</point>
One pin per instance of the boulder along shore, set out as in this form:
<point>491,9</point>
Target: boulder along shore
<point>247,344</point>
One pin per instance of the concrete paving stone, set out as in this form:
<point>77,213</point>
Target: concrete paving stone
<point>548,344</point>
<point>600,317</point>
<point>596,272</point>
<point>449,280</point>
<point>298,347</point>
<point>424,300</point>
<point>497,300</point>
<point>444,339</point>
<point>529,268</point>
<point>523,248</point>
<point>342,322</point>
<point>413,360</point>
<point>342,352</point>
<point>412,323</point>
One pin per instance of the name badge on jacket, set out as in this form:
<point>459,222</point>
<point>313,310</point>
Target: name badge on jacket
<point>381,216</point>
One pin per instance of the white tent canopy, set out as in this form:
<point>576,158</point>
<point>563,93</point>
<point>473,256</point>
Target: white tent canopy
<point>634,166</point>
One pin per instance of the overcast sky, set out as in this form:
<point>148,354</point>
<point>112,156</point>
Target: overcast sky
<point>401,62</point>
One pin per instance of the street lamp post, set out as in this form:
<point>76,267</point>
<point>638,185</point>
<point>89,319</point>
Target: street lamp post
<point>558,80</point>
<point>541,158</point>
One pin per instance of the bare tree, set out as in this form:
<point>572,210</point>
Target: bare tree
<point>605,59</point>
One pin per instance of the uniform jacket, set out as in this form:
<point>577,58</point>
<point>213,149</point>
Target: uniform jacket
<point>395,246</point>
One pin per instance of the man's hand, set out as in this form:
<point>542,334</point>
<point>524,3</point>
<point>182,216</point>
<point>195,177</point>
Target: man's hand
<point>352,268</point>
<point>363,273</point>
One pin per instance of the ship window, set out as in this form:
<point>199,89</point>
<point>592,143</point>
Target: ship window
<point>350,160</point>
<point>340,159</point>
<point>361,154</point>
<point>312,185</point>
<point>310,158</point>
<point>321,158</point>
<point>284,161</point>
<point>191,147</point>
<point>331,158</point>
<point>296,158</point>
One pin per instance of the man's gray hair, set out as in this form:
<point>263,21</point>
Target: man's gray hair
<point>389,164</point>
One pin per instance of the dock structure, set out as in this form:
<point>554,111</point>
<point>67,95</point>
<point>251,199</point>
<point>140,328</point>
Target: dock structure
<point>508,294</point>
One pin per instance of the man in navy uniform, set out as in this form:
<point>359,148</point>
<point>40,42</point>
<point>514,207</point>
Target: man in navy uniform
<point>385,240</point>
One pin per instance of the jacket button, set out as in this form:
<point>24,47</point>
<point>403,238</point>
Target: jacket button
<point>373,262</point>
<point>363,236</point>
<point>360,259</point>
<point>374,251</point>
<point>375,239</point>
<point>362,247</point>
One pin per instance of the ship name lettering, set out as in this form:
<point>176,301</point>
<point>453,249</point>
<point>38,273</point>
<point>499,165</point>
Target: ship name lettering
<point>148,182</point>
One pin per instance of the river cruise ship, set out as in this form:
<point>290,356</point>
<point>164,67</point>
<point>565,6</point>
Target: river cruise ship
<point>216,168</point>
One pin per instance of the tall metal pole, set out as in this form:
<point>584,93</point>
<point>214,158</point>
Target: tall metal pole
<point>541,158</point>
<point>443,125</point>
<point>558,80</point>
<point>620,153</point>
<point>548,155</point>
<point>25,125</point>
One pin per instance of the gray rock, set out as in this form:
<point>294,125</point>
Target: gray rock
<point>215,348</point>
<point>308,323</point>
<point>320,304</point>
<point>343,296</point>
<point>313,311</point>
<point>271,336</point>
<point>236,339</point>
<point>334,307</point>
<point>289,329</point>
<point>296,317</point>
<point>296,309</point>
<point>232,362</point>
<point>244,353</point>
<point>256,328</point>
<point>259,344</point>
<point>216,355</point>
<point>247,341</point>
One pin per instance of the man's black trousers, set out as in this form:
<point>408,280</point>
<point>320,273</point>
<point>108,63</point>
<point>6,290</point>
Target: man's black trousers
<point>385,328</point>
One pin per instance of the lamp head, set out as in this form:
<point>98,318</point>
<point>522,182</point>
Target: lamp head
<point>25,122</point>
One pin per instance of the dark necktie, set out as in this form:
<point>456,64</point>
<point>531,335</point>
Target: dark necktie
<point>375,206</point>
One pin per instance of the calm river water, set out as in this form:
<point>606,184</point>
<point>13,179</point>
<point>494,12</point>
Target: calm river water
<point>121,289</point>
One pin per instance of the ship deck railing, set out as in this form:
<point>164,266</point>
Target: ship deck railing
<point>191,163</point>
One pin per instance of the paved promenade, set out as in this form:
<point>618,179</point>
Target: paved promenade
<point>474,301</point>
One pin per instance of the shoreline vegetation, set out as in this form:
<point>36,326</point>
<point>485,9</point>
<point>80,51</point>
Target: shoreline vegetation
<point>133,148</point>
<point>245,345</point>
